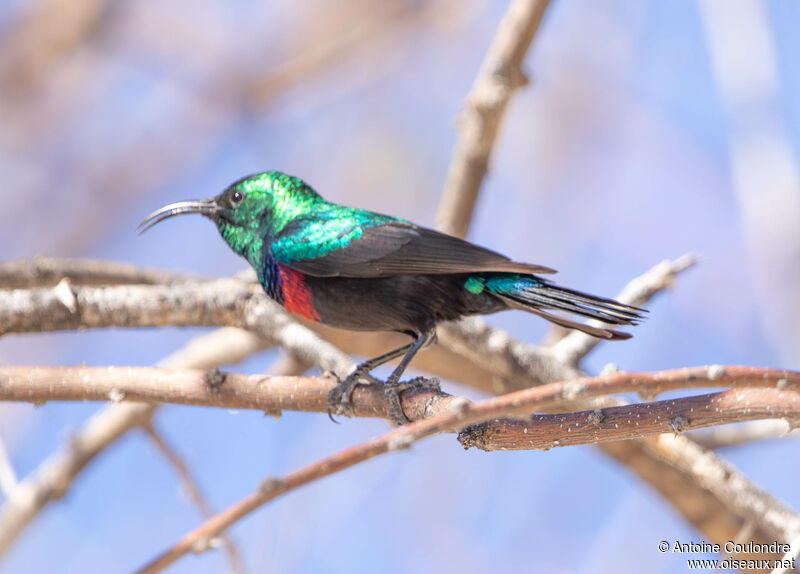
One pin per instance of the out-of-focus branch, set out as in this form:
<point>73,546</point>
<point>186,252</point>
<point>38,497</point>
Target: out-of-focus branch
<point>744,433</point>
<point>272,488</point>
<point>575,345</point>
<point>193,491</point>
<point>43,271</point>
<point>499,76</point>
<point>43,35</point>
<point>8,478</point>
<point>51,480</point>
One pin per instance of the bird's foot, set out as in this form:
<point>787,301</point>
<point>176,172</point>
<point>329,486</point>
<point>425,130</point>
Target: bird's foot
<point>392,390</point>
<point>340,397</point>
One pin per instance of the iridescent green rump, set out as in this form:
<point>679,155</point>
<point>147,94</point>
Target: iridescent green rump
<point>501,283</point>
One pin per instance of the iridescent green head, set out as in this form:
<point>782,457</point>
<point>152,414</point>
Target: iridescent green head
<point>249,212</point>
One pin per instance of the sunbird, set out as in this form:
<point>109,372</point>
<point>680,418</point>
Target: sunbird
<point>355,269</point>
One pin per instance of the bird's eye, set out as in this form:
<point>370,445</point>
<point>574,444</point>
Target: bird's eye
<point>236,197</point>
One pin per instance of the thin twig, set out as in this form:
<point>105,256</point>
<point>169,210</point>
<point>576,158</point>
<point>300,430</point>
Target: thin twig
<point>499,76</point>
<point>56,474</point>
<point>52,479</point>
<point>193,490</point>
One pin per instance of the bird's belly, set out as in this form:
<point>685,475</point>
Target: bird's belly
<point>407,303</point>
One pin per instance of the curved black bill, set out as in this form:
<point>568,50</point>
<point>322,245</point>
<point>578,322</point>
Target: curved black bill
<point>207,207</point>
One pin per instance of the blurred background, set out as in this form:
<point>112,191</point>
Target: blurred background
<point>649,129</point>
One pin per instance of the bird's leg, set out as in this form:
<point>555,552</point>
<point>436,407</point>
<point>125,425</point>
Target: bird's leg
<point>392,386</point>
<point>340,395</point>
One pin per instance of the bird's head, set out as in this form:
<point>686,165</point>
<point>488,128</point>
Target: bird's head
<point>248,212</point>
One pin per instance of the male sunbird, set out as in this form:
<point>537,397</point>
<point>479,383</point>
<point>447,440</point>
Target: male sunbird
<point>359,270</point>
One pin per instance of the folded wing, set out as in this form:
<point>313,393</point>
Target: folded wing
<point>384,247</point>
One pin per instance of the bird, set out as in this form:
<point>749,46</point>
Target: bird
<point>359,270</point>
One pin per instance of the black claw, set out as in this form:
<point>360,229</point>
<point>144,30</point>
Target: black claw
<point>339,399</point>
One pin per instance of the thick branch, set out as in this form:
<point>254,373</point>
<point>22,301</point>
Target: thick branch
<point>276,393</point>
<point>542,432</point>
<point>224,302</point>
<point>44,271</point>
<point>480,123</point>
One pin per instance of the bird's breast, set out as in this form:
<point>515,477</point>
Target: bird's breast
<point>297,297</point>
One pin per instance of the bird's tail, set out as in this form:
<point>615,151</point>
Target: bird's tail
<point>539,296</point>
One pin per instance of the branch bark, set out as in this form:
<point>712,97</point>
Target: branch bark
<point>44,271</point>
<point>53,477</point>
<point>499,76</point>
<point>759,394</point>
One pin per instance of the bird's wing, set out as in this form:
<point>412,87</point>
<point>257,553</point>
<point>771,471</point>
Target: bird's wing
<point>380,246</point>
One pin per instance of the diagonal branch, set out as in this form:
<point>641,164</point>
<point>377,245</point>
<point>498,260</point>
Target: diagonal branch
<point>51,480</point>
<point>575,345</point>
<point>499,76</point>
<point>193,490</point>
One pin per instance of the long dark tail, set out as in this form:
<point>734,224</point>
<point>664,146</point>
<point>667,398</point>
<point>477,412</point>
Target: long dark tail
<point>539,296</point>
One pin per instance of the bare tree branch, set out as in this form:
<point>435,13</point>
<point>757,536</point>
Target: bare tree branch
<point>520,373</point>
<point>8,478</point>
<point>760,393</point>
<point>54,477</point>
<point>744,433</point>
<point>223,302</point>
<point>458,413</point>
<point>191,488</point>
<point>499,76</point>
<point>44,271</point>
<point>56,474</point>
<point>575,345</point>
<point>543,432</point>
